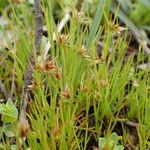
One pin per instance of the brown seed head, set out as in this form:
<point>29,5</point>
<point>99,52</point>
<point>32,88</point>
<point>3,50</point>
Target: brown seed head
<point>55,131</point>
<point>58,75</point>
<point>83,89</point>
<point>82,51</point>
<point>62,39</point>
<point>104,83</point>
<point>50,65</point>
<point>66,93</point>
<point>116,29</point>
<point>78,16</point>
<point>24,129</point>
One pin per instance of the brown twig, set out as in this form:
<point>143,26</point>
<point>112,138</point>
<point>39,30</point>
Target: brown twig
<point>131,124</point>
<point>39,25</point>
<point>127,122</point>
<point>23,122</point>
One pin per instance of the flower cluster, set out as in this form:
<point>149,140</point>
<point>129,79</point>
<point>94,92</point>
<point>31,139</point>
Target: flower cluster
<point>51,68</point>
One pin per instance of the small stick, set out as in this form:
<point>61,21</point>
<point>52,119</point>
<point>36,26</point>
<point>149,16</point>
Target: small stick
<point>131,124</point>
<point>127,122</point>
<point>38,25</point>
<point>23,122</point>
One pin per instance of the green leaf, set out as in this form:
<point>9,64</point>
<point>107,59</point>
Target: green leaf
<point>119,147</point>
<point>31,2</point>
<point>3,4</point>
<point>96,23</point>
<point>13,147</point>
<point>146,3</point>
<point>7,129</point>
<point>102,143</point>
<point>114,137</point>
<point>9,112</point>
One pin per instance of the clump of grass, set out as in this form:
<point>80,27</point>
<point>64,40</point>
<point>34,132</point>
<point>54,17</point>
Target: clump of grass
<point>78,95</point>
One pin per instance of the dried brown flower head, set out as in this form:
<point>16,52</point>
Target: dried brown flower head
<point>78,16</point>
<point>104,83</point>
<point>116,29</point>
<point>24,129</point>
<point>62,39</point>
<point>39,68</point>
<point>82,51</point>
<point>50,65</point>
<point>66,93</point>
<point>96,95</point>
<point>83,88</point>
<point>58,75</point>
<point>55,131</point>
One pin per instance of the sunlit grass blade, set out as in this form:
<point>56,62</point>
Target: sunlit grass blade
<point>95,24</point>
